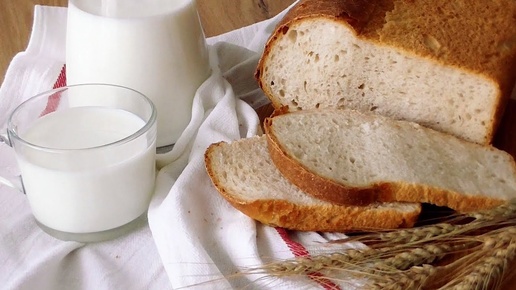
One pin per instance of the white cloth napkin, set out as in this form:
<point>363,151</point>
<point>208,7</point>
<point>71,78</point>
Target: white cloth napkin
<point>193,238</point>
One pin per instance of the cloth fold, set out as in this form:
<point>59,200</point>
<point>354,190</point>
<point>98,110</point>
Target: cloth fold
<point>193,238</point>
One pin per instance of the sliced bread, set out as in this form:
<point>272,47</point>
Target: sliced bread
<point>448,65</point>
<point>245,176</point>
<point>349,157</point>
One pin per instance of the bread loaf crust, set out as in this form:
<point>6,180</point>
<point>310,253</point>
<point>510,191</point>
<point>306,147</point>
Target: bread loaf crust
<point>333,218</point>
<point>430,29</point>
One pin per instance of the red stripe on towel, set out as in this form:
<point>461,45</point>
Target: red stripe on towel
<point>53,100</point>
<point>61,79</point>
<point>298,251</point>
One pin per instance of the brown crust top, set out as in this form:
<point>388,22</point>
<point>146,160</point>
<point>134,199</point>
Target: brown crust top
<point>356,13</point>
<point>332,191</point>
<point>328,218</point>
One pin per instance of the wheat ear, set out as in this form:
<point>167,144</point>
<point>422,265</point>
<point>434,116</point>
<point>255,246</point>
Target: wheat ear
<point>486,272</point>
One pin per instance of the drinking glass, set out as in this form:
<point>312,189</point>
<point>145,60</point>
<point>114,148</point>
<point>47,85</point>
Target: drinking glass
<point>86,154</point>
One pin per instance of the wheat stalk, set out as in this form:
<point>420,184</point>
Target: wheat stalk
<point>487,270</point>
<point>505,210</point>
<point>411,279</point>
<point>418,256</point>
<point>305,265</point>
<point>376,264</point>
<point>419,234</point>
<point>401,259</point>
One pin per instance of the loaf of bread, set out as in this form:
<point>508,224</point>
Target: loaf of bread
<point>448,65</point>
<point>349,157</point>
<point>244,174</point>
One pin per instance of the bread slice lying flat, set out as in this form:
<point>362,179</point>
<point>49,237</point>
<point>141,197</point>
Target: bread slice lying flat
<point>448,65</point>
<point>244,174</point>
<point>349,157</point>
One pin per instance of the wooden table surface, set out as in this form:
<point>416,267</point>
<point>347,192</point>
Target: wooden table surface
<point>217,16</point>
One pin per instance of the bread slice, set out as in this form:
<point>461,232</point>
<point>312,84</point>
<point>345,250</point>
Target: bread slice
<point>448,65</point>
<point>349,157</point>
<point>244,174</point>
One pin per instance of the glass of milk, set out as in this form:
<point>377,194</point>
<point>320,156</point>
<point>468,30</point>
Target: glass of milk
<point>156,47</point>
<point>86,154</point>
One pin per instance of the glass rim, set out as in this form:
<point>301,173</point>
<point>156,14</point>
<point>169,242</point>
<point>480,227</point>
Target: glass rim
<point>145,128</point>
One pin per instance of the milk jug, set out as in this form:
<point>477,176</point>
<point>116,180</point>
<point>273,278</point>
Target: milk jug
<point>156,47</point>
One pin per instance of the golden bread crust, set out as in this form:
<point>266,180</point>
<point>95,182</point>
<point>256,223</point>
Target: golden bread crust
<point>332,218</point>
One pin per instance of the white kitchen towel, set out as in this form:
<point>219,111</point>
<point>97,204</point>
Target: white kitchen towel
<point>194,238</point>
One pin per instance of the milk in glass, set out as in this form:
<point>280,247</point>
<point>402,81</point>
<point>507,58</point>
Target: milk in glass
<point>156,47</point>
<point>87,190</point>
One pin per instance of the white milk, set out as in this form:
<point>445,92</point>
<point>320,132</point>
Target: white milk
<point>156,47</point>
<point>83,191</point>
